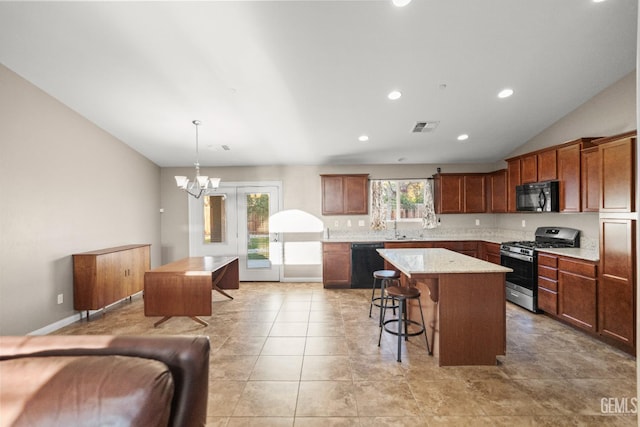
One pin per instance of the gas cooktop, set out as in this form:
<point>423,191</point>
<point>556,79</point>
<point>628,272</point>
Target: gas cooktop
<point>549,237</point>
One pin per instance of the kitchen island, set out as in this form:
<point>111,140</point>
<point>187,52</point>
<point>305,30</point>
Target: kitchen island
<point>463,301</point>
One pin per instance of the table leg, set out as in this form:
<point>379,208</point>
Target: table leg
<point>194,318</point>
<point>217,278</point>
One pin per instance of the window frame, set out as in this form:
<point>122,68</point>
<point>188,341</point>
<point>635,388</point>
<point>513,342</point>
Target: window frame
<point>399,182</point>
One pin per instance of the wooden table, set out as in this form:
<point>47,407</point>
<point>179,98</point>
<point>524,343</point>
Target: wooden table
<point>464,297</point>
<point>183,288</point>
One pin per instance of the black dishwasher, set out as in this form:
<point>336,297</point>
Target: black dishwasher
<point>364,261</point>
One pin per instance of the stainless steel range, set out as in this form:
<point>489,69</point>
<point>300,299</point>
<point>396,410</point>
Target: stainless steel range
<point>521,257</point>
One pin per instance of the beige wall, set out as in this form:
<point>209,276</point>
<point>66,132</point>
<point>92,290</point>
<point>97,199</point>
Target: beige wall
<point>47,213</point>
<point>301,190</point>
<point>66,187</point>
<point>610,112</point>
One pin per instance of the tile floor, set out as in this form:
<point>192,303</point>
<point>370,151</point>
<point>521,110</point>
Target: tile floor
<point>295,354</point>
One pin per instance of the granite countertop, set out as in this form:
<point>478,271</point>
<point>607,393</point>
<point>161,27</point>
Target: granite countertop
<point>589,253</point>
<point>581,253</point>
<point>437,261</point>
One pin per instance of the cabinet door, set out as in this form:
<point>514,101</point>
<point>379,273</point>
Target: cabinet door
<point>356,195</point>
<point>332,195</point>
<point>111,286</point>
<point>569,177</point>
<point>474,194</point>
<point>617,160</point>
<point>577,296</point>
<point>577,286</point>
<point>513,180</point>
<point>451,195</point>
<point>590,180</point>
<point>136,265</point>
<point>336,264</point>
<point>617,288</point>
<point>497,193</point>
<point>529,171</point>
<point>547,165</point>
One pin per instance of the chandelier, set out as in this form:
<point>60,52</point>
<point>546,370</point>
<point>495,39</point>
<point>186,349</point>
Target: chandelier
<point>200,183</point>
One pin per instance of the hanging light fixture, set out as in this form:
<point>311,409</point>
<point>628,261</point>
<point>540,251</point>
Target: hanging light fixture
<point>200,183</point>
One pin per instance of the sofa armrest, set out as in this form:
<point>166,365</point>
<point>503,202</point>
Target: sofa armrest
<point>186,356</point>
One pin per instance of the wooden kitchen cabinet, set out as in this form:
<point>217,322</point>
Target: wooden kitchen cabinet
<point>617,285</point>
<point>449,193</point>
<point>105,276</point>
<point>590,179</point>
<point>547,162</point>
<point>577,287</point>
<point>489,251</point>
<point>345,194</point>
<point>475,199</point>
<point>529,168</point>
<point>513,180</point>
<point>569,178</point>
<point>617,174</point>
<point>497,191</point>
<point>336,265</point>
<point>548,283</point>
<point>460,193</point>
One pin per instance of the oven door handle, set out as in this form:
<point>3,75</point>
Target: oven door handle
<point>517,256</point>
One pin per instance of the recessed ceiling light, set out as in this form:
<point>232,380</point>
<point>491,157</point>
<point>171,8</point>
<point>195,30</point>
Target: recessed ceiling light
<point>401,3</point>
<point>363,138</point>
<point>394,94</point>
<point>463,137</point>
<point>598,1</point>
<point>505,93</point>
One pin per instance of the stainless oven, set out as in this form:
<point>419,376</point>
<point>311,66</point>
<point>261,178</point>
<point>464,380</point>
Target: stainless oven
<point>522,258</point>
<point>522,282</point>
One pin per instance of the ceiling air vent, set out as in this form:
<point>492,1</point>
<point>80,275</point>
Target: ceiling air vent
<point>422,127</point>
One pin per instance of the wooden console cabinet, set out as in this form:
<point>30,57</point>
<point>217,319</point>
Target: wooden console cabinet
<point>105,276</point>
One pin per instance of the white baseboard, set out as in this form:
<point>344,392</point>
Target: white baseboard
<point>74,318</point>
<point>302,279</point>
<point>57,325</point>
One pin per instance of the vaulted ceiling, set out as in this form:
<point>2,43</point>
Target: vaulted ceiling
<point>298,82</point>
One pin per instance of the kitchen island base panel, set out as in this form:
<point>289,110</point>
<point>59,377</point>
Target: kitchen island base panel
<point>477,303</point>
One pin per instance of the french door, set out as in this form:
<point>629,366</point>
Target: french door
<point>234,220</point>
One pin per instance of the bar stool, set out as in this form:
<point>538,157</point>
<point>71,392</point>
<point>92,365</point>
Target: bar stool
<point>402,294</point>
<point>384,277</point>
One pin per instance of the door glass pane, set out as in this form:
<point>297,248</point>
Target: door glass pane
<point>215,219</point>
<point>258,230</point>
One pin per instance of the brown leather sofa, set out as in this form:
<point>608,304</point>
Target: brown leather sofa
<point>104,380</point>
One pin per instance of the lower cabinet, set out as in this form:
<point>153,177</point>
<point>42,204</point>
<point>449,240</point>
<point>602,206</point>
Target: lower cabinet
<point>596,297</point>
<point>488,251</point>
<point>336,265</point>
<point>548,283</point>
<point>617,289</point>
<point>577,292</point>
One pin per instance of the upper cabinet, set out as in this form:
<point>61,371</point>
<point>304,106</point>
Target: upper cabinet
<point>345,194</point>
<point>590,179</point>
<point>529,168</point>
<point>560,162</point>
<point>497,191</point>
<point>617,174</point>
<point>513,180</point>
<point>460,193</point>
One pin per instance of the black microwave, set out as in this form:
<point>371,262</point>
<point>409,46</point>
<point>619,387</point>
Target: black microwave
<point>538,197</point>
